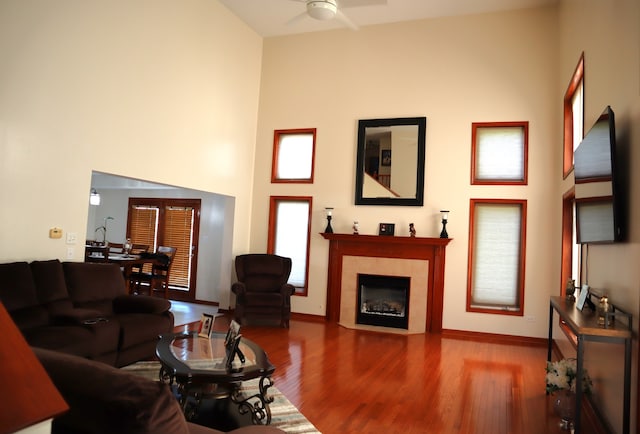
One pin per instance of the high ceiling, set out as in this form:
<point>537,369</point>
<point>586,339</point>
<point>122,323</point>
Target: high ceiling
<point>283,17</point>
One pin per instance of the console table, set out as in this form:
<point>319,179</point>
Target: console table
<point>584,324</point>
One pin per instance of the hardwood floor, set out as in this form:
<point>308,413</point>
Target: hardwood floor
<point>347,381</point>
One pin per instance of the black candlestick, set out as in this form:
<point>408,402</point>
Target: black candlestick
<point>444,233</point>
<point>328,229</point>
<point>445,216</point>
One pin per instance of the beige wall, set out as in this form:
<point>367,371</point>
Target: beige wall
<point>454,71</point>
<point>111,86</point>
<point>609,36</point>
<point>151,89</point>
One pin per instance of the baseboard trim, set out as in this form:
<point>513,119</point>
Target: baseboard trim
<point>185,300</point>
<point>308,317</point>
<point>494,338</point>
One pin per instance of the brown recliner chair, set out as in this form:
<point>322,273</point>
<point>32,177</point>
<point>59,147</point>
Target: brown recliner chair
<point>262,291</point>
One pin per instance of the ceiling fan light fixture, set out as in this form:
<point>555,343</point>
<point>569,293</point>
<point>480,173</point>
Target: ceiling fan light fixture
<point>322,9</point>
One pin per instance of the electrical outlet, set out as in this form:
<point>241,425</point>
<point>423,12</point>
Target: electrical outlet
<point>70,252</point>
<point>72,237</point>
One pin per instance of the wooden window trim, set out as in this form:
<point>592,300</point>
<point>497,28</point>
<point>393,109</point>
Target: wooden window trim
<point>271,238</point>
<point>277,134</point>
<point>567,251</point>
<point>522,250</point>
<point>525,156</point>
<point>576,79</point>
<point>567,238</point>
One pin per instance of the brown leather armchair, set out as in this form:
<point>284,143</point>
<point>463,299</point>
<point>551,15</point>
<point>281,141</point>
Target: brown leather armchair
<point>262,291</point>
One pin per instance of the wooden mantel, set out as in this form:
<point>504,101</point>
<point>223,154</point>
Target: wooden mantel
<point>430,249</point>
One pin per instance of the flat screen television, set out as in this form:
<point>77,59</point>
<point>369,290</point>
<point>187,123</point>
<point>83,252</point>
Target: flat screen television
<point>598,187</point>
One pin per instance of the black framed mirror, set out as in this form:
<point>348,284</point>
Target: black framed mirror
<point>390,161</point>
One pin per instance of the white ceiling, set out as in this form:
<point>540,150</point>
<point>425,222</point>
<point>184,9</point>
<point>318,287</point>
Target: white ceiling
<point>273,17</point>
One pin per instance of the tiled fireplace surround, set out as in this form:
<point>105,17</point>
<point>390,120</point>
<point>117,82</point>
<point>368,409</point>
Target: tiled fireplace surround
<point>421,259</point>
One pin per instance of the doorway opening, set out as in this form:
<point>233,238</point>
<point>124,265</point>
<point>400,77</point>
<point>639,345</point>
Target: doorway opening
<point>171,223</point>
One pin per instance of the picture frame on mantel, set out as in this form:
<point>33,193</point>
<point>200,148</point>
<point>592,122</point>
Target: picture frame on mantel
<point>387,229</point>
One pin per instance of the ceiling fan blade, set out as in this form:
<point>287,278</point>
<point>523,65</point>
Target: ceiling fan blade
<point>345,20</point>
<point>360,3</point>
<point>297,19</point>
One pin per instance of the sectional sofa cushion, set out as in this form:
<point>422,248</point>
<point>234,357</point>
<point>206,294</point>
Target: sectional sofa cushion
<point>50,285</point>
<point>94,285</point>
<point>19,296</point>
<point>106,400</point>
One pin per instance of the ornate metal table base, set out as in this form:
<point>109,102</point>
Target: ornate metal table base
<point>256,404</point>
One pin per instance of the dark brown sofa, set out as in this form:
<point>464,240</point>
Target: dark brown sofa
<point>106,400</point>
<point>83,309</point>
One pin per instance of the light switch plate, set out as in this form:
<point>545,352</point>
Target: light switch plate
<point>72,237</point>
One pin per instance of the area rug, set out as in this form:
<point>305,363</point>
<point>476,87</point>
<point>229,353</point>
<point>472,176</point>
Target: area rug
<point>284,415</point>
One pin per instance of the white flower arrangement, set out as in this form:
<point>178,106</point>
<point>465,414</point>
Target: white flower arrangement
<point>561,375</point>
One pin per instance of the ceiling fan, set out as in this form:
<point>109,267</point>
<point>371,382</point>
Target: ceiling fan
<point>325,10</point>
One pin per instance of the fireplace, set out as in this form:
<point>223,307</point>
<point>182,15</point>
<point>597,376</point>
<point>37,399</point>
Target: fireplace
<point>383,301</point>
<point>423,259</point>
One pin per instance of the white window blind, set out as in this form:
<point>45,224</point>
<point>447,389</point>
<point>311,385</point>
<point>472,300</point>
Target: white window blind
<point>292,237</point>
<point>577,110</point>
<point>496,264</point>
<point>294,156</point>
<point>575,247</point>
<point>500,153</point>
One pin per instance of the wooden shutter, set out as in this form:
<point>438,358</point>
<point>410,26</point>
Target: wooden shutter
<point>178,233</point>
<point>143,224</point>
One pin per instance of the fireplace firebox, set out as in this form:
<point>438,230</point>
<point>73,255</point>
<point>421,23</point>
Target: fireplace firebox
<point>383,301</point>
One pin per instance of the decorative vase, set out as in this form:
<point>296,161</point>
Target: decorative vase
<point>565,408</point>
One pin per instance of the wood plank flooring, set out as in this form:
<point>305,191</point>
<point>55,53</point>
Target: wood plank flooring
<point>347,381</point>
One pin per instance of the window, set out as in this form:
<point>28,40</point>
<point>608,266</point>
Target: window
<point>499,152</point>
<point>571,252</point>
<point>573,116</point>
<point>570,249</point>
<point>143,224</point>
<point>293,156</point>
<point>289,232</point>
<point>173,223</point>
<point>495,281</point>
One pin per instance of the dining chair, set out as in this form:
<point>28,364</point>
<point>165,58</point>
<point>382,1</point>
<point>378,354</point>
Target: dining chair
<point>136,249</point>
<point>116,248</point>
<point>96,253</point>
<point>158,277</point>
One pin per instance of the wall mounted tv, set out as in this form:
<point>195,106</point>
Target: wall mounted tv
<point>599,199</point>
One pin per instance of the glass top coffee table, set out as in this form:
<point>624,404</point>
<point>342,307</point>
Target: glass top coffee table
<point>198,367</point>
